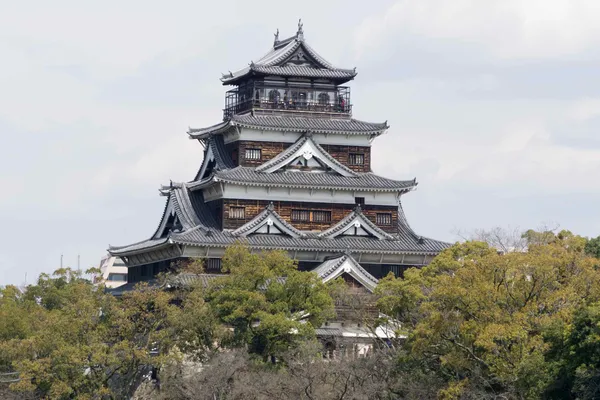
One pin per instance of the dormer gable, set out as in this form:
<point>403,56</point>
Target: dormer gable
<point>306,154</point>
<point>355,224</point>
<point>345,264</point>
<point>268,222</point>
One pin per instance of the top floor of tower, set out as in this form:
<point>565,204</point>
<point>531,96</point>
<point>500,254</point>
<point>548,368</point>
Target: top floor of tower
<point>291,78</point>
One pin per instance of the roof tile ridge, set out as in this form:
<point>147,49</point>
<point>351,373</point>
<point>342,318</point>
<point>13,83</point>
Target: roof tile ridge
<point>158,240</point>
<point>371,224</point>
<point>344,222</point>
<point>284,155</point>
<point>187,205</point>
<point>362,270</point>
<point>284,55</point>
<point>268,211</point>
<point>353,174</point>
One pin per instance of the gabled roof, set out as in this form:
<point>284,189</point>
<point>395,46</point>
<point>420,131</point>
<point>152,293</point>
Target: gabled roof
<point>248,176</point>
<point>345,264</point>
<point>342,125</point>
<point>268,222</point>
<point>355,224</point>
<point>291,57</point>
<point>306,148</point>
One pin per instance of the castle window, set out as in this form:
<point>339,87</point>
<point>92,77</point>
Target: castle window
<point>321,216</point>
<point>237,212</point>
<point>356,159</point>
<point>359,201</point>
<point>301,215</point>
<point>323,98</point>
<point>384,219</point>
<point>252,154</point>
<point>213,264</point>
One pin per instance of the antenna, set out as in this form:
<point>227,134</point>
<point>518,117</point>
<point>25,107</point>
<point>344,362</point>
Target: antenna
<point>61,261</point>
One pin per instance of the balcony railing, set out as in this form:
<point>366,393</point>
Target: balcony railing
<point>287,99</point>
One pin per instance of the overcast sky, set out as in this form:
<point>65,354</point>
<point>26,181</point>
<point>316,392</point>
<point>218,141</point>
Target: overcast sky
<point>493,105</point>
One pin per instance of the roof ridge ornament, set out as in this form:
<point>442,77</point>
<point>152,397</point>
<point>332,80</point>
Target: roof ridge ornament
<point>276,40</point>
<point>300,33</point>
<point>270,206</point>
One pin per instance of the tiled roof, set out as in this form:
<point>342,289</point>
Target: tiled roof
<point>325,331</point>
<point>312,243</point>
<point>335,267</point>
<point>337,125</point>
<point>215,146</point>
<point>276,62</point>
<point>146,245</point>
<point>304,71</point>
<point>266,216</point>
<point>305,143</point>
<point>248,176</point>
<point>361,221</point>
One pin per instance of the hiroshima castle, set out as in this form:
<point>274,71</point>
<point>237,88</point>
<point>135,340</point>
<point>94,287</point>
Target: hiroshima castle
<point>288,168</point>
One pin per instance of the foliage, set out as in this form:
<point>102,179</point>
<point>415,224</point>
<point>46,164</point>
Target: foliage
<point>485,318</point>
<point>270,305</point>
<point>592,247</point>
<point>70,339</point>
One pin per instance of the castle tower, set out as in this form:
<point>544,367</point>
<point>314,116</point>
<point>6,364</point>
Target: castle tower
<point>287,168</point>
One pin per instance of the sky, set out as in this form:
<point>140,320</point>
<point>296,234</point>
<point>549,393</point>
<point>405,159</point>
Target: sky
<point>493,105</point>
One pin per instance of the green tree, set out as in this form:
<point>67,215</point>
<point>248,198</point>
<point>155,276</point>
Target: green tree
<point>483,316</point>
<point>70,339</point>
<point>270,305</point>
<point>592,247</point>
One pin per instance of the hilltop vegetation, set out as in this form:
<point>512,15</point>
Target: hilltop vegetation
<point>480,324</point>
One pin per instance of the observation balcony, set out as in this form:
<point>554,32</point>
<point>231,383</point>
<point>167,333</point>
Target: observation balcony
<point>325,102</point>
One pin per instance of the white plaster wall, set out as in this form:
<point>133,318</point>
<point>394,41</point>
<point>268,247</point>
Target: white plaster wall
<point>291,137</point>
<point>231,191</point>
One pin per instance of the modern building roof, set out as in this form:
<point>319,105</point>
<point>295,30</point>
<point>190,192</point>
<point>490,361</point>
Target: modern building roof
<point>291,57</point>
<point>287,123</point>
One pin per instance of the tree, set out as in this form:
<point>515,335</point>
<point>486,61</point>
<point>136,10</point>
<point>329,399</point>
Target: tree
<point>483,316</point>
<point>264,298</point>
<point>592,247</point>
<point>70,339</point>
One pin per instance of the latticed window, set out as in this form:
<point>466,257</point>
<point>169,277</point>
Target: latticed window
<point>252,154</point>
<point>384,219</point>
<point>213,264</point>
<point>359,201</point>
<point>237,212</point>
<point>301,215</point>
<point>356,159</point>
<point>321,216</point>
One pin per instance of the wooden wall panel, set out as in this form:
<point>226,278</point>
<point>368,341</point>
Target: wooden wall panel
<point>284,208</point>
<point>341,153</point>
<point>269,150</point>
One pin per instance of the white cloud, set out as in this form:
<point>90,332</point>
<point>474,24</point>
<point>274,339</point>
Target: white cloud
<point>506,29</point>
<point>585,109</point>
